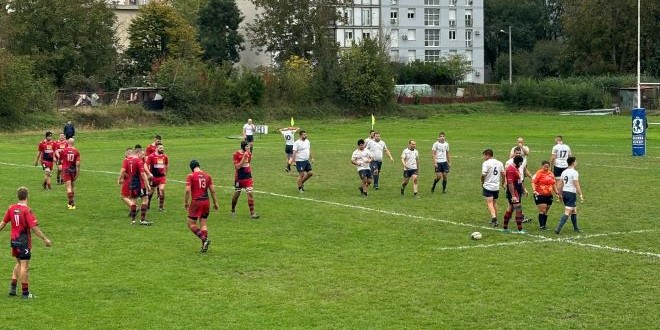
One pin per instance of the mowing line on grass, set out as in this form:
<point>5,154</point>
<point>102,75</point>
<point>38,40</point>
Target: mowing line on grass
<point>540,238</point>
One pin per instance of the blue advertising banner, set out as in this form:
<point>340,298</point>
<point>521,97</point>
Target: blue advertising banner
<point>639,132</point>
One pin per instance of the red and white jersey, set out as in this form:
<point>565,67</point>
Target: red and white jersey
<point>58,146</point>
<point>47,150</point>
<point>22,220</point>
<point>157,164</point>
<point>150,149</point>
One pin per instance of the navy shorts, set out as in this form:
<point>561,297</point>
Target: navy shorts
<point>569,198</point>
<point>288,149</point>
<point>557,171</point>
<point>249,138</point>
<point>409,173</point>
<point>364,174</point>
<point>538,199</point>
<point>490,193</point>
<point>376,165</point>
<point>303,166</point>
<point>442,167</point>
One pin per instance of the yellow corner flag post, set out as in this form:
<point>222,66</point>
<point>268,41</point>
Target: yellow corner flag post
<point>373,121</point>
<point>292,124</point>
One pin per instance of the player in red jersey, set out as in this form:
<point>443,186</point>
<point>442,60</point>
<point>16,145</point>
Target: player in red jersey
<point>243,179</point>
<point>23,222</point>
<point>45,155</point>
<point>60,144</point>
<point>157,163</point>
<point>153,146</point>
<point>514,193</point>
<point>70,158</point>
<point>134,181</point>
<point>196,201</point>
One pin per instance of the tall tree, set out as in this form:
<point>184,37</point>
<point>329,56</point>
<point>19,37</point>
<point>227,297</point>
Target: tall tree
<point>157,33</point>
<point>366,80</point>
<point>292,27</point>
<point>218,31</point>
<point>604,40</point>
<point>61,36</point>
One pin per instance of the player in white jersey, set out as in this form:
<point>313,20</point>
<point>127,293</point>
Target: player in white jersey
<point>288,133</point>
<point>558,159</point>
<point>302,154</point>
<point>525,149</point>
<point>362,158</point>
<point>492,176</point>
<point>441,162</point>
<point>410,161</point>
<point>372,133</point>
<point>248,133</point>
<point>569,185</point>
<point>377,146</point>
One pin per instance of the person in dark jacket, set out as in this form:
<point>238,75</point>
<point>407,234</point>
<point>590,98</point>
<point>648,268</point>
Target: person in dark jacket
<point>69,130</point>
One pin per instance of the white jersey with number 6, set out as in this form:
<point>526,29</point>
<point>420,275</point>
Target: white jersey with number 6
<point>491,169</point>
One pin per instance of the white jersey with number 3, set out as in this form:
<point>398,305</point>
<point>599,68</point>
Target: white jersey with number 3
<point>491,169</point>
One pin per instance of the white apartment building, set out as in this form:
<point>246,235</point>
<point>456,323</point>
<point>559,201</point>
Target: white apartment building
<point>424,30</point>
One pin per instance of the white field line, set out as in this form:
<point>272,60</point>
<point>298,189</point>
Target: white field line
<point>478,246</point>
<point>540,238</point>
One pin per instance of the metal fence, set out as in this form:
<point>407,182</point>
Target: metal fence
<point>443,94</point>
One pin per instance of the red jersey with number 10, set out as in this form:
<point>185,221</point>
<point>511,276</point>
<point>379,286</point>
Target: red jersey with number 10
<point>69,157</point>
<point>22,219</point>
<point>199,183</point>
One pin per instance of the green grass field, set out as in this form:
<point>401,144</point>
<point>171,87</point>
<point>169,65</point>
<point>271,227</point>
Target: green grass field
<point>330,258</point>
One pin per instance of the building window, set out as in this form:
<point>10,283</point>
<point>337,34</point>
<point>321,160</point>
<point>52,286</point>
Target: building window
<point>468,38</point>
<point>431,56</point>
<point>366,16</point>
<point>348,35</point>
<point>432,38</point>
<point>395,2</point>
<point>411,12</point>
<point>452,17</point>
<point>412,56</point>
<point>366,35</point>
<point>431,16</point>
<point>468,17</point>
<point>348,16</point>
<point>394,55</point>
<point>132,2</point>
<point>394,17</point>
<point>468,57</point>
<point>431,2</point>
<point>452,34</point>
<point>411,34</point>
<point>452,3</point>
<point>468,3</point>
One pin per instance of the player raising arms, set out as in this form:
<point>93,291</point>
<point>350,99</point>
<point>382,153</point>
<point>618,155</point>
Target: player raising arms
<point>243,179</point>
<point>70,158</point>
<point>134,181</point>
<point>288,133</point>
<point>60,144</point>
<point>157,164</point>
<point>196,201</point>
<point>45,156</point>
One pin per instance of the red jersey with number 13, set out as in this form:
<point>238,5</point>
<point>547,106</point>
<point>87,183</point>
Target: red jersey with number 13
<point>199,183</point>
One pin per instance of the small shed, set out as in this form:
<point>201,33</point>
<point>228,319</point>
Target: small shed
<point>150,97</point>
<point>650,97</point>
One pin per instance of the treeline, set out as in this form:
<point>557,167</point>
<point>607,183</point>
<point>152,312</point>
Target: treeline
<point>191,48</point>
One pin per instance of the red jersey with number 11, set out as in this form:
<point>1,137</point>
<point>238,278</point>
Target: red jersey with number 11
<point>22,219</point>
